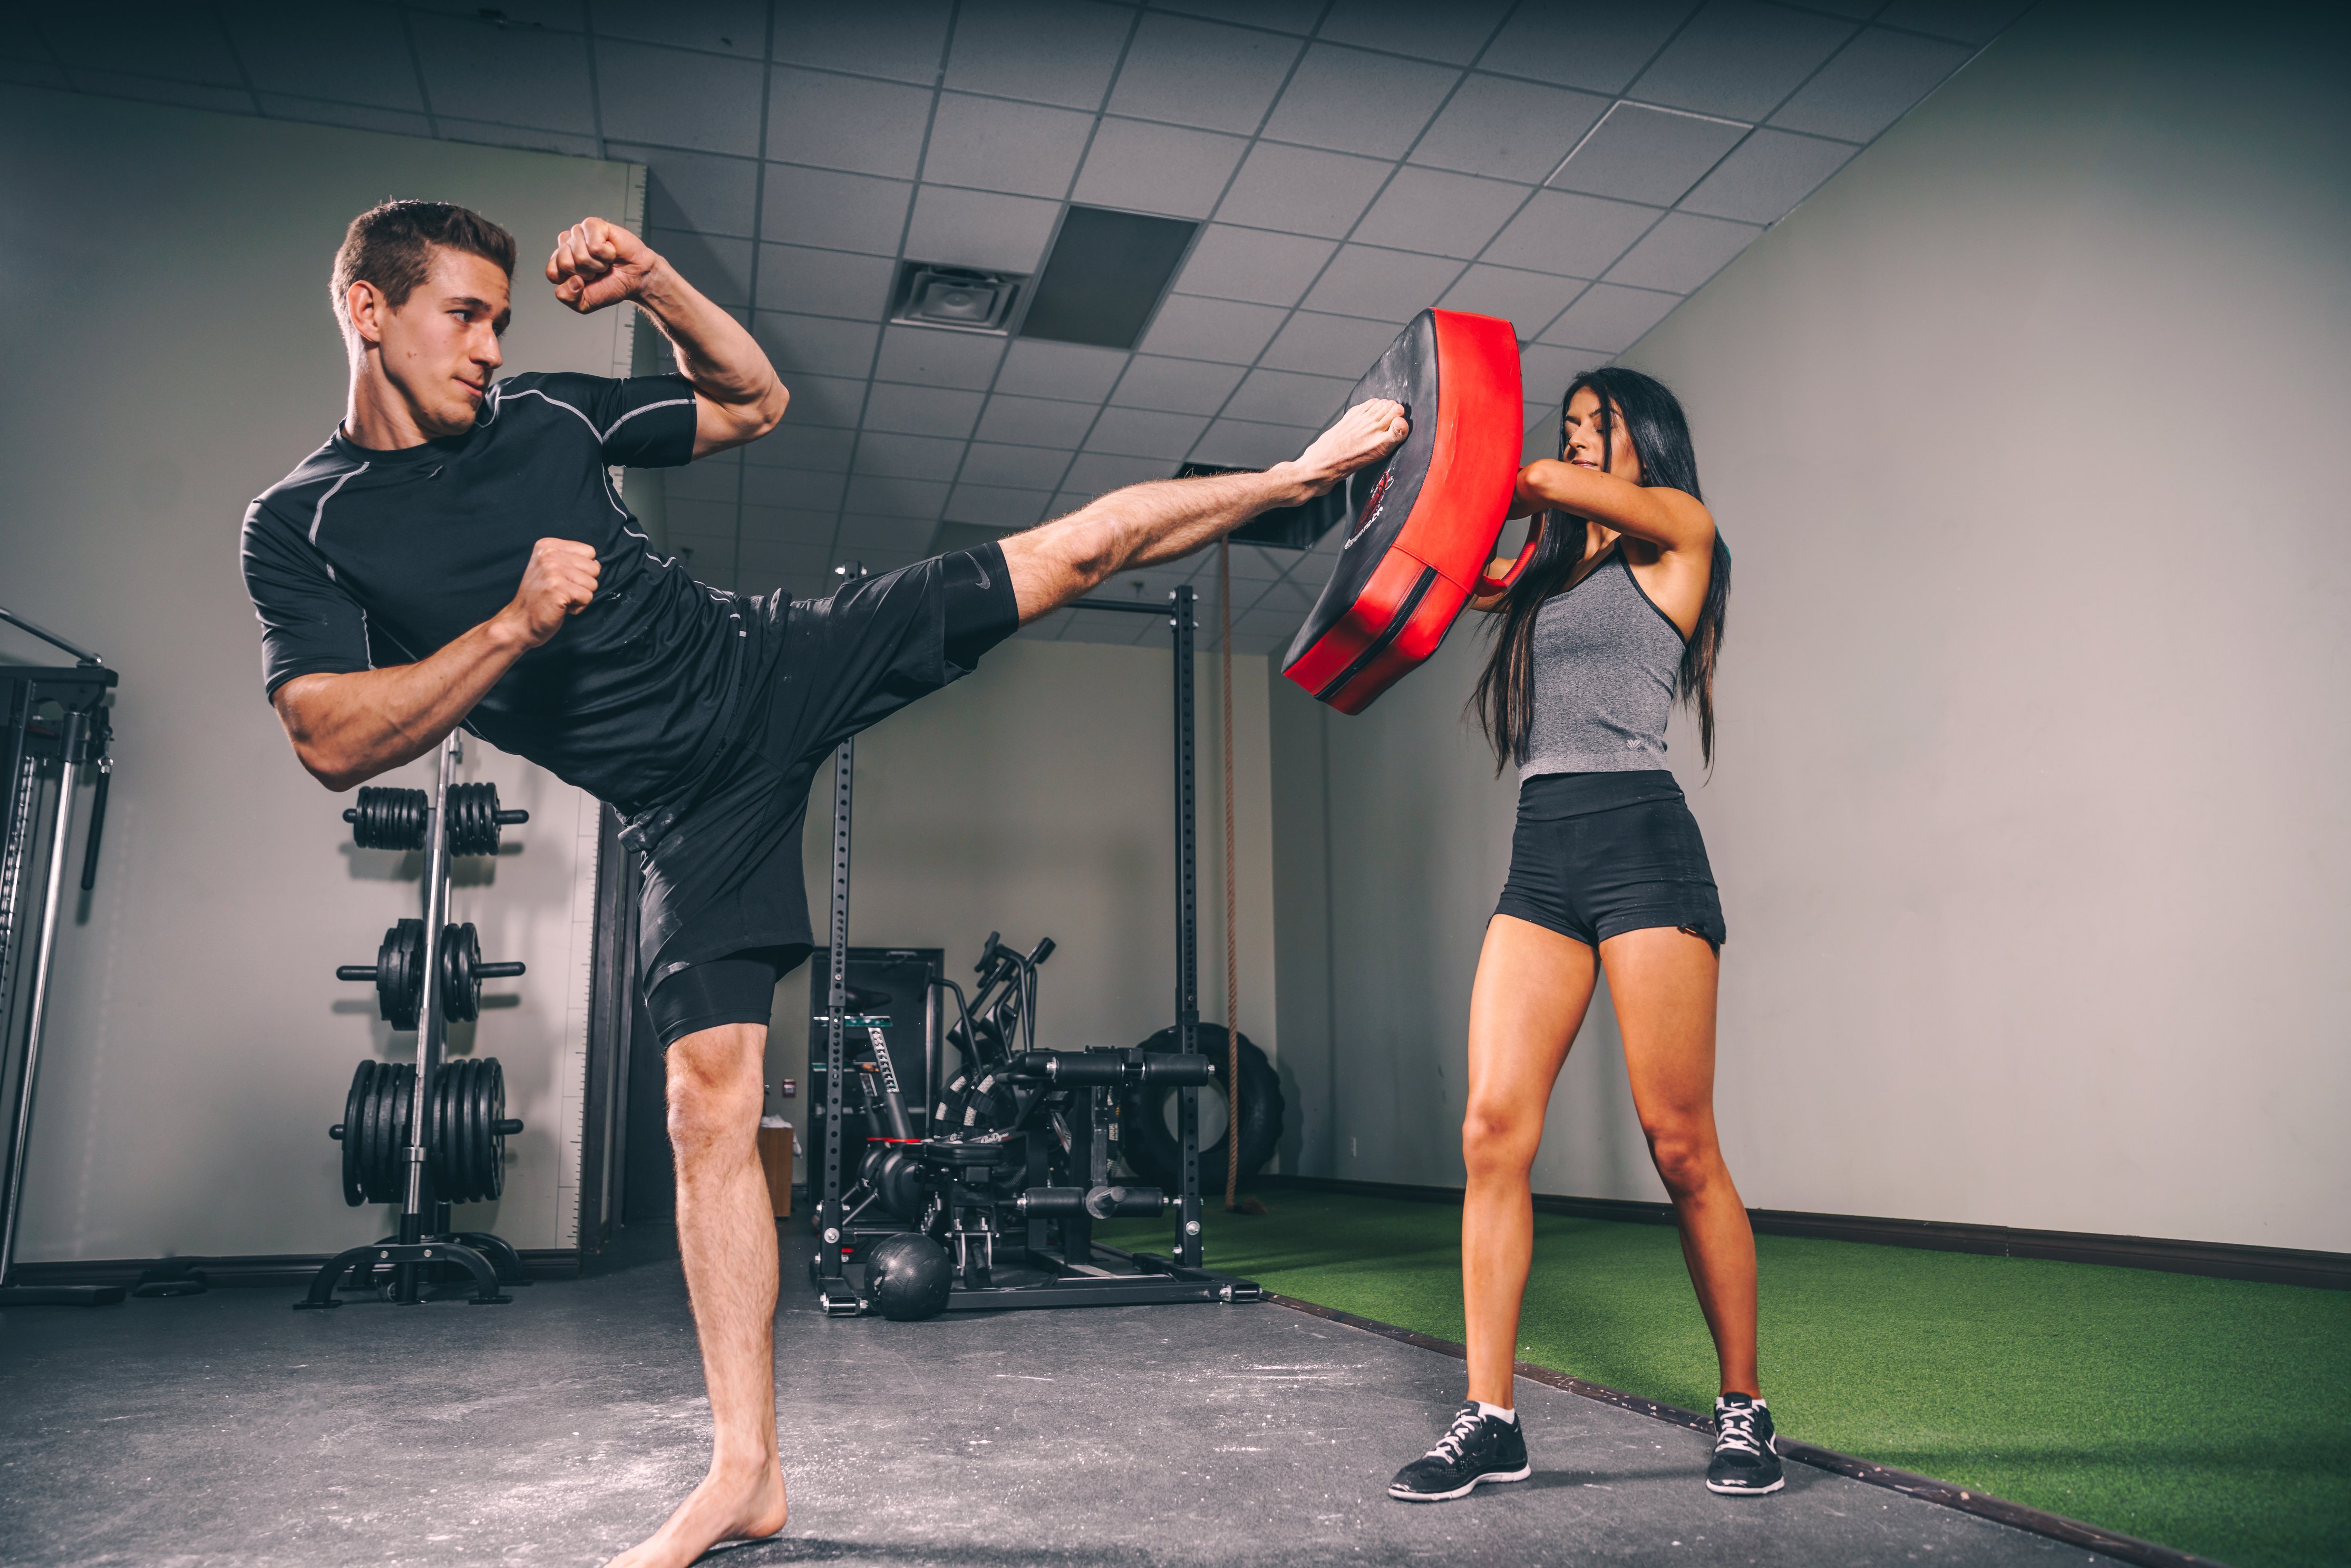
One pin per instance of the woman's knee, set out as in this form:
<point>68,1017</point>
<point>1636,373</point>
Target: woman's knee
<point>1685,1153</point>
<point>1500,1139</point>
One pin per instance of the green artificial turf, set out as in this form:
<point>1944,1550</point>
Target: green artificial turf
<point>2211,1415</point>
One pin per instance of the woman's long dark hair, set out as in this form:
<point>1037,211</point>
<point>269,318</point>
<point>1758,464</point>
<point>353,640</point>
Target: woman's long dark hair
<point>1651,418</point>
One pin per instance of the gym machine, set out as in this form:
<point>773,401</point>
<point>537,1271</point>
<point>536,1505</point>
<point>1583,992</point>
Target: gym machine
<point>1021,1199</point>
<point>432,1135</point>
<point>58,730</point>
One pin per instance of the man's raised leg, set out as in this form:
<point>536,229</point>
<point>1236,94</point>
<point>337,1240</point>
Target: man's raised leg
<point>727,1235</point>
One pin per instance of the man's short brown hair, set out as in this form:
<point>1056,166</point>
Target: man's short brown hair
<point>391,247</point>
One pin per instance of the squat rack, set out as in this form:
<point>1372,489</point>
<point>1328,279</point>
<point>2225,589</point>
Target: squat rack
<point>1176,1276</point>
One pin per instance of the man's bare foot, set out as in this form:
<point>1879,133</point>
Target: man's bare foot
<point>733,1507</point>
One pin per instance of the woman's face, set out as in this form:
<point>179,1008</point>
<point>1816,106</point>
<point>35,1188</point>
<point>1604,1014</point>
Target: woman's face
<point>1587,428</point>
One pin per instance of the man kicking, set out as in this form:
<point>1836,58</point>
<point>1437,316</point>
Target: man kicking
<point>456,553</point>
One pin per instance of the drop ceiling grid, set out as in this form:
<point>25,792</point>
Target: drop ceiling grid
<point>194,54</point>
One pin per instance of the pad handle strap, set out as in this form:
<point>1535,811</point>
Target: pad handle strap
<point>1488,583</point>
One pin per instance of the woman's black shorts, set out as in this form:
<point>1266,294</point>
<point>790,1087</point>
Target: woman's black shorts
<point>1596,854</point>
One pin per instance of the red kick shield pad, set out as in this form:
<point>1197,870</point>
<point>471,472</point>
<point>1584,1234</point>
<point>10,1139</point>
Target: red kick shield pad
<point>1421,526</point>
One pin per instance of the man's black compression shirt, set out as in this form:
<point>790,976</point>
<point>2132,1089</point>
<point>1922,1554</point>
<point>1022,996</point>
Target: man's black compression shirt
<point>360,558</point>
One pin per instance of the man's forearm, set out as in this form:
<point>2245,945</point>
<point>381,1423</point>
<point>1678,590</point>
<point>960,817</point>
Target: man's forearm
<point>347,728</point>
<point>714,351</point>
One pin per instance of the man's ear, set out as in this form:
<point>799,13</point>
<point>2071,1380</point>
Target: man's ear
<point>366,307</point>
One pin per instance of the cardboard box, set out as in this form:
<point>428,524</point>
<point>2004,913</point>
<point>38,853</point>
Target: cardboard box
<point>776,1157</point>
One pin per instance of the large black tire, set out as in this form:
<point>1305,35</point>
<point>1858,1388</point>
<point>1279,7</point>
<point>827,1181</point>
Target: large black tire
<point>1149,1149</point>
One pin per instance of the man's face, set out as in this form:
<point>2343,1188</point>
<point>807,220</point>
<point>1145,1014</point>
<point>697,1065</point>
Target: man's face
<point>440,348</point>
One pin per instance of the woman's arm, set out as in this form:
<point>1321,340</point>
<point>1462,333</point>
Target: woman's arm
<point>1672,521</point>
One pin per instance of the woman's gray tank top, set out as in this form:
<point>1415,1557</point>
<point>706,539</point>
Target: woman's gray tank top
<point>1606,658</point>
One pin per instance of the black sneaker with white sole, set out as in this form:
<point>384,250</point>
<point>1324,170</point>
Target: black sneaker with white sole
<point>1746,1455</point>
<point>1474,1449</point>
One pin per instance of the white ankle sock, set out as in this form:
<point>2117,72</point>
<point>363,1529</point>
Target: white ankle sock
<point>1496,1412</point>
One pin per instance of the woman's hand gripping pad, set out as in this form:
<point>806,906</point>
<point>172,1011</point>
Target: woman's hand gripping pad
<point>1421,526</point>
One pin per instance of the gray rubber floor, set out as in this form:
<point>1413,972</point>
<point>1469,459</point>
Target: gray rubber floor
<point>226,1428</point>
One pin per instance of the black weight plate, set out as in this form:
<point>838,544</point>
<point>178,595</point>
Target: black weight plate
<point>354,1136</point>
<point>477,1163</point>
<point>461,1179</point>
<point>437,1135</point>
<point>379,1129</point>
<point>493,1112</point>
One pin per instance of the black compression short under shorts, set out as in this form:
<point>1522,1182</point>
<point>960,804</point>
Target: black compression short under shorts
<point>724,914</point>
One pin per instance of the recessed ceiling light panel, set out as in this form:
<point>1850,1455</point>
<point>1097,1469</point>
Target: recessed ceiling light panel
<point>1105,276</point>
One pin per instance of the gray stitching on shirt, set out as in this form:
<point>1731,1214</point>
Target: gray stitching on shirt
<point>318,515</point>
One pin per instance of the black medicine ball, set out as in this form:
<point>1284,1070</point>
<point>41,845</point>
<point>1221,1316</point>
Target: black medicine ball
<point>907,1277</point>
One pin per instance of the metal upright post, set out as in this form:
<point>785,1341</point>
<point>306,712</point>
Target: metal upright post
<point>1187,932</point>
<point>845,764</point>
<point>44,951</point>
<point>432,1029</point>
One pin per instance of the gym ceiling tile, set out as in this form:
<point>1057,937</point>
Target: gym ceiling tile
<point>846,122</point>
<point>1870,83</point>
<point>1392,285</point>
<point>1020,467</point>
<point>1193,72</point>
<point>482,132</point>
<point>1350,101</point>
<point>1439,212</point>
<point>1283,15</point>
<point>989,144</point>
<point>799,488</point>
<point>929,356</point>
<point>686,516</point>
<point>1300,190</point>
<point>824,282</point>
<point>761,558</point>
<point>1068,501</point>
<point>1507,129</point>
<point>274,105</point>
<point>1035,421</point>
<point>896,536</point>
<point>1226,330</point>
<point>1682,252</point>
<point>825,399</point>
<point>1766,175</point>
<point>648,93</point>
<point>1178,386</point>
<point>719,266</point>
<point>997,507</point>
<point>1075,372</point>
<point>1051,51</point>
<point>1610,317</point>
<point>792,525</point>
<point>819,345</point>
<point>1230,263</point>
<point>1596,48</point>
<point>1739,58</point>
<point>1653,155</point>
<point>299,51</point>
<point>719,478</point>
<point>901,457</point>
<point>717,26</point>
<point>1286,598</point>
<point>1328,345</point>
<point>1286,397</point>
<point>1258,624</point>
<point>904,40</point>
<point>511,75</point>
<point>1454,32</point>
<point>881,496</point>
<point>694,189</point>
<point>836,211</point>
<point>793,445</point>
<point>1095,474</point>
<point>983,229</point>
<point>1528,300</point>
<point>1968,21</point>
<point>1139,167</point>
<point>182,42</point>
<point>1139,432</point>
<point>1251,564</point>
<point>1569,233</point>
<point>1238,444</point>
<point>922,411</point>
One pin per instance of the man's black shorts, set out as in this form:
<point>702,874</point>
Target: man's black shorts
<point>724,912</point>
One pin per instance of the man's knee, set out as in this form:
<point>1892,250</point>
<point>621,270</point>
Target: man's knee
<point>714,1083</point>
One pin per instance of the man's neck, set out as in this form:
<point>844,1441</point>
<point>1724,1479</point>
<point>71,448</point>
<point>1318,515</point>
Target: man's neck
<point>377,417</point>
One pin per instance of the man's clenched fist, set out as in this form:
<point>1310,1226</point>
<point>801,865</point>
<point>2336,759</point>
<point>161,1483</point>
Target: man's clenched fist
<point>556,585</point>
<point>598,263</point>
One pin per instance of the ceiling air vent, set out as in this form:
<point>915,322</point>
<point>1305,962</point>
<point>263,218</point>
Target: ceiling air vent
<point>1105,276</point>
<point>954,296</point>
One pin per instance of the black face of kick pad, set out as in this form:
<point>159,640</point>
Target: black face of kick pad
<point>1379,499</point>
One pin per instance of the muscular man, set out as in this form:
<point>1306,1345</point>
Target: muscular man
<point>455,553</point>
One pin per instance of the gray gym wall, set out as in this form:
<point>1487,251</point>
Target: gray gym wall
<point>170,353</point>
<point>2027,429</point>
<point>1035,797</point>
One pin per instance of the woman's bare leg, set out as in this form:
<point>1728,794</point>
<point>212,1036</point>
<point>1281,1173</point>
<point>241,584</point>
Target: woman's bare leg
<point>1663,982</point>
<point>1529,1000</point>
